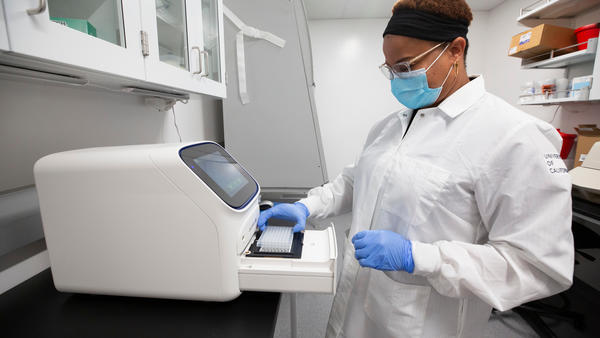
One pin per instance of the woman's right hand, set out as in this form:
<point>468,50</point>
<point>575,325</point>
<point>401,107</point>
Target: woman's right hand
<point>296,212</point>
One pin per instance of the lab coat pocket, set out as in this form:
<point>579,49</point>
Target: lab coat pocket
<point>344,291</point>
<point>413,190</point>
<point>397,309</point>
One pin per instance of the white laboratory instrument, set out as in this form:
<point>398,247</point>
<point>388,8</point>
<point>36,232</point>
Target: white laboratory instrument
<point>586,177</point>
<point>167,221</point>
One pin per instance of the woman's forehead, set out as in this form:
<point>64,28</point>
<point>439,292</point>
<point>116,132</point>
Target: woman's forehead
<point>396,47</point>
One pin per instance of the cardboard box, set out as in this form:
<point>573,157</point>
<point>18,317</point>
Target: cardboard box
<point>78,24</point>
<point>542,39</point>
<point>587,135</point>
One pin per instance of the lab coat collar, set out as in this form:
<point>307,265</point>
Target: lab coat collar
<point>464,97</point>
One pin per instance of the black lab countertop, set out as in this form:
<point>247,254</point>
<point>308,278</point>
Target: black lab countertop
<point>36,309</point>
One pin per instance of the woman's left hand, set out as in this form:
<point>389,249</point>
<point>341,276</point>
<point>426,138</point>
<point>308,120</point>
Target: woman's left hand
<point>383,250</point>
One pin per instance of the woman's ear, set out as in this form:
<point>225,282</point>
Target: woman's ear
<point>457,48</point>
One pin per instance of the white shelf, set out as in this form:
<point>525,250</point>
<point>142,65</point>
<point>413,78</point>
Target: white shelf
<point>170,21</point>
<point>557,101</point>
<point>586,55</point>
<point>554,9</point>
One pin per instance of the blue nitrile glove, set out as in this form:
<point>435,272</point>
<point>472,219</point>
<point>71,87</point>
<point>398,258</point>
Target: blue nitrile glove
<point>296,212</point>
<point>383,250</point>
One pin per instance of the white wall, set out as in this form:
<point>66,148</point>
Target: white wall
<point>39,119</point>
<point>351,94</point>
<point>476,60</point>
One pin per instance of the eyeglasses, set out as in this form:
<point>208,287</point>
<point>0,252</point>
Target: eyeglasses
<point>404,66</point>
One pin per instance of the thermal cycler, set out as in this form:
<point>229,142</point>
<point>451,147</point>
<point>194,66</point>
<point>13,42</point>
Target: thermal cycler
<point>166,221</point>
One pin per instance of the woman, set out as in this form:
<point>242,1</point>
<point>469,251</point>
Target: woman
<point>459,204</point>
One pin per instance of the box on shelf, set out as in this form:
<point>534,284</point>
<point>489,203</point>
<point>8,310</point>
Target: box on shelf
<point>77,24</point>
<point>587,135</point>
<point>542,39</point>
<point>580,87</point>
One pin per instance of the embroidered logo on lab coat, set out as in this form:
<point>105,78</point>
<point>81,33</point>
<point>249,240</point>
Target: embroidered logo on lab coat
<point>555,164</point>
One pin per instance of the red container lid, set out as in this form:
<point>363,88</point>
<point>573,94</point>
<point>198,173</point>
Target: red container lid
<point>586,27</point>
<point>565,135</point>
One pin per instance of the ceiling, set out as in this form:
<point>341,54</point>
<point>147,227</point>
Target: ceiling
<point>354,9</point>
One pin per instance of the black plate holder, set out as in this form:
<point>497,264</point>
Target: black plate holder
<point>296,251</point>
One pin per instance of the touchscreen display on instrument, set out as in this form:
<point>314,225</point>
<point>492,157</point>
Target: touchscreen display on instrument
<point>221,172</point>
<point>225,174</point>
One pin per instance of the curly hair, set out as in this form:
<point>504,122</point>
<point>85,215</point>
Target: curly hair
<point>453,9</point>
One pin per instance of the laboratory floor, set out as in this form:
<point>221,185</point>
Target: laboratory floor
<point>313,309</point>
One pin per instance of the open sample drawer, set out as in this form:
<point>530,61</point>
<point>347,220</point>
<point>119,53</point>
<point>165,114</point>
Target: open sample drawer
<point>314,271</point>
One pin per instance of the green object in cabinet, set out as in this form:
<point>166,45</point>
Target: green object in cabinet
<point>78,24</point>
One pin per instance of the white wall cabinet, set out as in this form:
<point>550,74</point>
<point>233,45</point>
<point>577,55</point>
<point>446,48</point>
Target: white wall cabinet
<point>171,44</point>
<point>178,39</point>
<point>34,34</point>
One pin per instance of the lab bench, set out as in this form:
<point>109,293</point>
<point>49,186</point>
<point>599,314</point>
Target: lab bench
<point>36,309</point>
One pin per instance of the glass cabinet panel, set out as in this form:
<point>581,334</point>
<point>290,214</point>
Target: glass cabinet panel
<point>210,22</point>
<point>102,19</point>
<point>172,32</point>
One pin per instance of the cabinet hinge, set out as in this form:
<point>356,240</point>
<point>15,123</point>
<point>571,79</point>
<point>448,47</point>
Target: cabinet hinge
<point>145,48</point>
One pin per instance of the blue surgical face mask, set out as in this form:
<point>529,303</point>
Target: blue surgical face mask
<point>412,90</point>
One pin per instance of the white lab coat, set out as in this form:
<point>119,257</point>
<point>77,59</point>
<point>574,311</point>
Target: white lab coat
<point>478,188</point>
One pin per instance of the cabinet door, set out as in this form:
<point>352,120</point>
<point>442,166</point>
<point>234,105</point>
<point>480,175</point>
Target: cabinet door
<point>177,56</point>
<point>3,35</point>
<point>281,114</point>
<point>102,35</point>
<point>212,40</point>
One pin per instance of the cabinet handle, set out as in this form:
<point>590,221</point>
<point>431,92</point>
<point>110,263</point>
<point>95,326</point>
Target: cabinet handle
<point>39,9</point>
<point>200,56</point>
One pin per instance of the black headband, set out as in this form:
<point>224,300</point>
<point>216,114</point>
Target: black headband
<point>425,26</point>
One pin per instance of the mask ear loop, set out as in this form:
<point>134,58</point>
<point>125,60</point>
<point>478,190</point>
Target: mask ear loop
<point>454,65</point>
<point>434,61</point>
